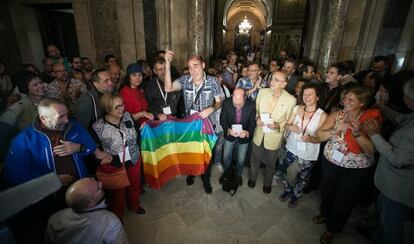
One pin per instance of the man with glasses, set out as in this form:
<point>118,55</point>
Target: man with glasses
<point>273,108</point>
<point>86,220</point>
<point>161,103</point>
<point>64,87</point>
<point>253,83</point>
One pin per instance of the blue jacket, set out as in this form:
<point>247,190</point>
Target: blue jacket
<point>31,154</point>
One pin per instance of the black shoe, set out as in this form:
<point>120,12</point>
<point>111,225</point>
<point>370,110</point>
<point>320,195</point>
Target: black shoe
<point>284,196</point>
<point>221,179</point>
<point>307,190</point>
<point>267,189</point>
<point>190,180</point>
<point>251,183</point>
<point>239,180</point>
<point>364,232</point>
<point>140,210</point>
<point>207,188</point>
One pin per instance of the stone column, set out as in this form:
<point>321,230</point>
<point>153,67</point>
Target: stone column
<point>197,31</point>
<point>29,39</point>
<point>332,34</point>
<point>406,44</point>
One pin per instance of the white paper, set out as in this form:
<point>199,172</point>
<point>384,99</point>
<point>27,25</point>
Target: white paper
<point>337,156</point>
<point>237,128</point>
<point>267,129</point>
<point>166,110</point>
<point>127,155</point>
<point>192,111</point>
<point>301,146</point>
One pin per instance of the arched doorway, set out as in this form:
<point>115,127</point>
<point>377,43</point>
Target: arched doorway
<point>258,13</point>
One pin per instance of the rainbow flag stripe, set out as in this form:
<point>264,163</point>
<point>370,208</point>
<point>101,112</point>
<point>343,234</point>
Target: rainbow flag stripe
<point>176,147</point>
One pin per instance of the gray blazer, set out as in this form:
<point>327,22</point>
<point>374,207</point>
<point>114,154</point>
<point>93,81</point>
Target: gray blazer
<point>394,175</point>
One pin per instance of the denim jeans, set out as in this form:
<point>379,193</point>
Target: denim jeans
<point>396,222</point>
<point>241,152</point>
<point>218,149</point>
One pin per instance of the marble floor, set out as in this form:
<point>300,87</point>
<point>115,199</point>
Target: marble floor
<point>185,214</point>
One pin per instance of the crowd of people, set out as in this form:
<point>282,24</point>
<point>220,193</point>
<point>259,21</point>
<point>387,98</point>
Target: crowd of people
<point>346,133</point>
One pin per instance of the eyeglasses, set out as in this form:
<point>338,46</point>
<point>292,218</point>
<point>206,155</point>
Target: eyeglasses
<point>119,106</point>
<point>253,70</point>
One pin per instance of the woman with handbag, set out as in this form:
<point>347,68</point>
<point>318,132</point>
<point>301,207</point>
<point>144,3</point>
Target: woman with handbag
<point>118,137</point>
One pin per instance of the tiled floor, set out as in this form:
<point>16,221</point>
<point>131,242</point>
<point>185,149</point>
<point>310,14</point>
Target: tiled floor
<point>185,214</point>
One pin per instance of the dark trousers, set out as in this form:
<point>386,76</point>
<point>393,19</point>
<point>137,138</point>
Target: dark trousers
<point>340,191</point>
<point>206,176</point>
<point>396,222</point>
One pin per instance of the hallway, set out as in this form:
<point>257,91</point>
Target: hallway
<point>185,214</point>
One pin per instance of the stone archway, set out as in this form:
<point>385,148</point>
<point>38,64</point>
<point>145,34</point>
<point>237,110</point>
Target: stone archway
<point>258,12</point>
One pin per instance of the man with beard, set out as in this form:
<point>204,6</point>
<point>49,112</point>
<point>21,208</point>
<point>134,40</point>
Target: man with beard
<point>87,68</point>
<point>53,143</point>
<point>115,75</point>
<point>76,71</point>
<point>161,103</point>
<point>65,88</point>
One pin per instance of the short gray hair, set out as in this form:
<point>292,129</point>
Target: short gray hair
<point>409,89</point>
<point>44,106</point>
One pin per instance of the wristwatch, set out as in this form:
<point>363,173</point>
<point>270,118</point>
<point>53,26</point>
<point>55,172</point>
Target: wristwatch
<point>82,148</point>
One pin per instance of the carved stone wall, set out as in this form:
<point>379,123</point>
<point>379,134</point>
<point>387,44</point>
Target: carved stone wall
<point>288,21</point>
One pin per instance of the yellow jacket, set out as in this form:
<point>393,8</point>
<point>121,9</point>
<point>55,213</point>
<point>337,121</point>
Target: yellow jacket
<point>280,114</point>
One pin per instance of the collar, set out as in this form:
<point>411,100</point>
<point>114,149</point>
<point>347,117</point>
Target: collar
<point>204,75</point>
<point>100,206</point>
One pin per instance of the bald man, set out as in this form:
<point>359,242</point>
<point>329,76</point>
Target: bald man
<point>87,220</point>
<point>238,119</point>
<point>273,108</point>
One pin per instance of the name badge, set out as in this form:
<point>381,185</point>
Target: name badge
<point>192,111</point>
<point>166,110</point>
<point>127,155</point>
<point>301,146</point>
<point>337,156</point>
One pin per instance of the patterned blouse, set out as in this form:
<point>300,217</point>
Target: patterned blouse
<point>111,137</point>
<point>346,145</point>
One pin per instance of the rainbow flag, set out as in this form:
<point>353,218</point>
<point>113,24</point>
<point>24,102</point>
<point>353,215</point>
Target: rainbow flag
<point>176,147</point>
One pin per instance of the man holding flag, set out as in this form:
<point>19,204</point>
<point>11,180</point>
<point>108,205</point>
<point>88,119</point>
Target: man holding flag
<point>201,95</point>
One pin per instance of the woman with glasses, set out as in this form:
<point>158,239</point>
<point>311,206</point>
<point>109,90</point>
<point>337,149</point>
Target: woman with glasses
<point>118,137</point>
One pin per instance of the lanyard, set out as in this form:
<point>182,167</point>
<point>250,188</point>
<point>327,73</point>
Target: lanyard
<point>162,93</point>
<point>303,118</point>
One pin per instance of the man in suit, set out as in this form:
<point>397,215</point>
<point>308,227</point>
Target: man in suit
<point>273,108</point>
<point>238,119</point>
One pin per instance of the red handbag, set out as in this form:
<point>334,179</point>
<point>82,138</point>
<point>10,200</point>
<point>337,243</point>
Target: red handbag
<point>112,177</point>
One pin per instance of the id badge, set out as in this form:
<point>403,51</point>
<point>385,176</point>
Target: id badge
<point>301,146</point>
<point>192,111</point>
<point>337,156</point>
<point>127,155</point>
<point>166,110</point>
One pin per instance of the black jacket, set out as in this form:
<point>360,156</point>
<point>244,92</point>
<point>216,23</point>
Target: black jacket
<point>248,119</point>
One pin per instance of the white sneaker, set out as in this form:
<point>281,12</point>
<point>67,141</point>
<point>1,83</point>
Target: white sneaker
<point>220,167</point>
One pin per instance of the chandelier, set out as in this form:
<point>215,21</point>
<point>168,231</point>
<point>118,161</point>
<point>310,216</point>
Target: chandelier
<point>245,26</point>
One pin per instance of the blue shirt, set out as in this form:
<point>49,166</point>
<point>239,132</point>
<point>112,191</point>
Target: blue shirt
<point>210,90</point>
<point>246,84</point>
